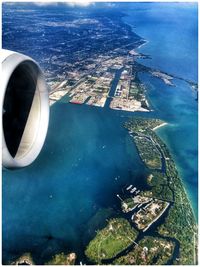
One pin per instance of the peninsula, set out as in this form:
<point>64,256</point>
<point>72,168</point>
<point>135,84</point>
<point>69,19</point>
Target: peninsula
<point>115,237</point>
<point>179,223</point>
<point>159,225</point>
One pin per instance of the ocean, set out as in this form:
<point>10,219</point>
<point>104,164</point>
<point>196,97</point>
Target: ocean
<point>58,202</point>
<point>173,46</point>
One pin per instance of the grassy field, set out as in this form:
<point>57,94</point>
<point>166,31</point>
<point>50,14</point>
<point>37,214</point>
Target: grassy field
<point>115,237</point>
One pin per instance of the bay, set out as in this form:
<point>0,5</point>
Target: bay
<point>89,157</point>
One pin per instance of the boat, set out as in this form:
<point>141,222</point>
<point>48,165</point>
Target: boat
<point>133,190</point>
<point>129,187</point>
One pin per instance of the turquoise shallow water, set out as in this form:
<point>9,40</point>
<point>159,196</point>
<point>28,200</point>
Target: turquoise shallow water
<point>88,156</point>
<point>178,107</point>
<point>171,31</point>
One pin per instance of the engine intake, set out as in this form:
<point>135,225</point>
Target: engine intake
<point>25,110</point>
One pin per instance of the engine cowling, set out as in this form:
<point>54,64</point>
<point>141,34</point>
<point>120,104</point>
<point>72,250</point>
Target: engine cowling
<point>25,108</point>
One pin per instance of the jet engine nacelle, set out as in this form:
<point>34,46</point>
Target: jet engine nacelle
<point>25,108</point>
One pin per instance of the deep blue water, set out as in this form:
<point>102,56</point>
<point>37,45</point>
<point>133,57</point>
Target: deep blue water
<point>88,156</point>
<point>171,30</point>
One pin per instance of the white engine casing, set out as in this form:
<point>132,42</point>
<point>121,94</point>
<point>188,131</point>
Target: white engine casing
<point>25,109</point>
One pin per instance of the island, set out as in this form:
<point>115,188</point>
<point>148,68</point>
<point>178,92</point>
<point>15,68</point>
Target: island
<point>25,259</point>
<point>166,185</point>
<point>108,242</point>
<point>157,225</point>
<point>62,259</point>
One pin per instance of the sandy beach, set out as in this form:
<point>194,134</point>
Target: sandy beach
<point>161,125</point>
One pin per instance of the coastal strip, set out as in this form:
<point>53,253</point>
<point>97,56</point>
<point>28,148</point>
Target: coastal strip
<point>180,223</point>
<point>162,214</point>
<point>159,126</point>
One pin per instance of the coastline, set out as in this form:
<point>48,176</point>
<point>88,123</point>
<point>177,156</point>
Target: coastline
<point>159,126</point>
<point>180,172</point>
<point>173,226</point>
<point>74,164</point>
<point>179,166</point>
<point>145,42</point>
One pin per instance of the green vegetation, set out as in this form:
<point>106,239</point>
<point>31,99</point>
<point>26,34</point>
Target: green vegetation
<point>150,251</point>
<point>139,125</point>
<point>62,259</point>
<point>146,146</point>
<point>157,178</point>
<point>148,152</point>
<point>180,222</point>
<point>160,186</point>
<point>128,204</point>
<point>166,189</point>
<point>115,237</point>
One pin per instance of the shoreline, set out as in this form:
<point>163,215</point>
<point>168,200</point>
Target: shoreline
<point>180,197</point>
<point>159,126</point>
<point>180,168</point>
<point>156,218</point>
<point>145,42</point>
<point>180,171</point>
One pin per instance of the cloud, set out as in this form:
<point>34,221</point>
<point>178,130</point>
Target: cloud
<point>45,3</point>
<point>74,3</point>
<point>79,3</point>
<point>110,4</point>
